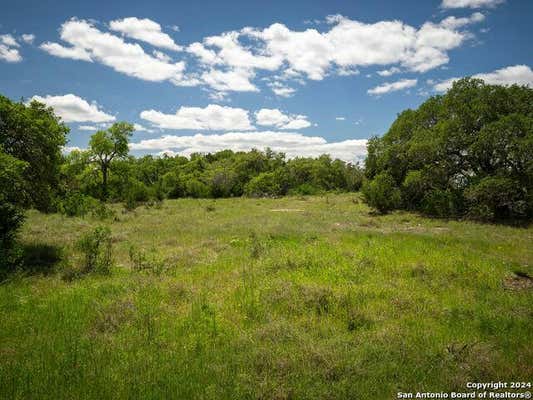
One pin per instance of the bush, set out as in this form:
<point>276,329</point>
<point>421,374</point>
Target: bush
<point>197,189</point>
<point>11,218</point>
<point>96,249</point>
<point>382,193</point>
<point>12,195</point>
<point>101,211</point>
<point>305,189</point>
<point>496,198</point>
<point>144,262</point>
<point>264,184</point>
<point>76,204</point>
<point>440,203</point>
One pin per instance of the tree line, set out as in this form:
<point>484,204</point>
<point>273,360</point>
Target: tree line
<point>467,153</point>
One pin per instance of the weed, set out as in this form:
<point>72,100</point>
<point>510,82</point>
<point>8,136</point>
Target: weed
<point>96,249</point>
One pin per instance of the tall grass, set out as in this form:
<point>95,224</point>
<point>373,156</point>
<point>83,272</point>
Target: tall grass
<point>320,300</point>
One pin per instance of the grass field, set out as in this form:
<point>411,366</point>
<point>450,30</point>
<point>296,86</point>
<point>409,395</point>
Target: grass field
<point>292,298</point>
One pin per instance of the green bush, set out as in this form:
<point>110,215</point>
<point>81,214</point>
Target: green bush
<point>76,204</point>
<point>495,198</point>
<point>264,184</point>
<point>382,193</point>
<point>305,189</point>
<point>96,250</point>
<point>440,203</point>
<point>12,196</point>
<point>197,189</point>
<point>146,262</point>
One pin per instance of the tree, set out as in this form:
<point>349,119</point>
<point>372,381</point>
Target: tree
<point>468,152</point>
<point>108,145</point>
<point>382,193</point>
<point>12,197</point>
<point>34,134</point>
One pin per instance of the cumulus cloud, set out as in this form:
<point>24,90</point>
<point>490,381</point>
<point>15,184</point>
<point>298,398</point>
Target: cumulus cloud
<point>276,118</point>
<point>212,117</point>
<point>516,74</point>
<point>281,89</point>
<point>9,49</point>
<point>141,128</point>
<point>72,108</point>
<point>393,86</point>
<point>145,30</point>
<point>230,61</point>
<point>454,22</point>
<point>389,72</point>
<point>237,79</point>
<point>291,143</point>
<point>90,44</point>
<point>470,3</point>
<point>70,149</point>
<point>28,38</point>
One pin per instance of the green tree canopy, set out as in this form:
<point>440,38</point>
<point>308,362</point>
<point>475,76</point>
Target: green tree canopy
<point>34,134</point>
<point>457,152</point>
<point>109,145</point>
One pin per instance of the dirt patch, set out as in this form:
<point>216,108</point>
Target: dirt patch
<point>287,210</point>
<point>518,281</point>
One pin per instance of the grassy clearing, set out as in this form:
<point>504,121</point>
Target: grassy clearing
<point>271,299</point>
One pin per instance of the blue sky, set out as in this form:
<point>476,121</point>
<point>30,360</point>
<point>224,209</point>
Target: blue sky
<point>303,77</point>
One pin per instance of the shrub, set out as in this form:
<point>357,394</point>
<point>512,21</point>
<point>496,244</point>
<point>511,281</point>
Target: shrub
<point>495,198</point>
<point>264,184</point>
<point>414,188</point>
<point>382,193</point>
<point>197,189</point>
<point>96,249</point>
<point>101,211</point>
<point>76,204</point>
<point>144,262</point>
<point>11,218</point>
<point>305,189</point>
<point>440,203</point>
<point>12,194</point>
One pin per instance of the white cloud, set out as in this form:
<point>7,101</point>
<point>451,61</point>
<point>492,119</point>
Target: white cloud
<point>389,72</point>
<point>233,80</point>
<point>393,86</point>
<point>74,53</point>
<point>90,44</point>
<point>9,49</point>
<point>291,143</point>
<point>281,89</point>
<point>9,40</point>
<point>72,108</point>
<point>212,117</point>
<point>274,117</point>
<point>70,149</point>
<point>145,30</point>
<point>340,118</point>
<point>28,38</point>
<point>516,74</point>
<point>87,128</point>
<point>454,22</point>
<point>140,128</point>
<point>230,61</point>
<point>470,3</point>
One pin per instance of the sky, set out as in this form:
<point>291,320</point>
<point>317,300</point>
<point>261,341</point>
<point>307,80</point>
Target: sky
<point>304,77</point>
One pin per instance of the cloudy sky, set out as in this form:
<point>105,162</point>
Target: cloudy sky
<point>304,77</point>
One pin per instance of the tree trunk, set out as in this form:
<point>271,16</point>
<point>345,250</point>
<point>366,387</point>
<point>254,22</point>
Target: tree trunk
<point>104,182</point>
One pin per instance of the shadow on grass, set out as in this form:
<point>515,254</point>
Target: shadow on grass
<point>40,258</point>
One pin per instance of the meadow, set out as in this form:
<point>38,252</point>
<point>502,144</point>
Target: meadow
<point>311,297</point>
